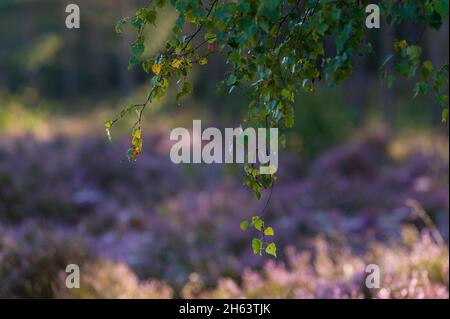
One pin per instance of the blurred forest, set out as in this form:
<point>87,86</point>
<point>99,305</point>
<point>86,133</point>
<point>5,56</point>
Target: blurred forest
<point>364,176</point>
<point>40,55</point>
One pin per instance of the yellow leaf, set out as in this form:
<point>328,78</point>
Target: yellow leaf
<point>400,45</point>
<point>137,134</point>
<point>203,61</point>
<point>136,152</point>
<point>156,68</point>
<point>176,63</point>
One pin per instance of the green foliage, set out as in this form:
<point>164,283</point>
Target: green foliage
<point>269,231</point>
<point>432,13</point>
<point>260,244</point>
<point>256,181</point>
<point>271,249</point>
<point>257,246</point>
<point>431,78</point>
<point>276,49</point>
<point>244,225</point>
<point>136,145</point>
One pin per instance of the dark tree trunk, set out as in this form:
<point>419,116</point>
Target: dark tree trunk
<point>28,30</point>
<point>98,67</point>
<point>356,90</point>
<point>437,51</point>
<point>127,80</point>
<point>386,94</point>
<point>70,64</point>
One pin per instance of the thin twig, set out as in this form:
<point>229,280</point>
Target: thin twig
<point>268,198</point>
<point>200,27</point>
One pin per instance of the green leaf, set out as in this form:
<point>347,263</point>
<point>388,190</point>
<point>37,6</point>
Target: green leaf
<point>187,88</point>
<point>282,140</point>
<point>210,37</point>
<point>444,115</point>
<point>288,117</point>
<point>322,28</point>
<point>257,246</point>
<point>147,66</point>
<point>405,69</point>
<point>147,15</point>
<point>137,22</point>
<point>244,225</point>
<point>264,25</point>
<point>133,61</point>
<point>390,81</point>
<point>257,222</point>
<point>130,153</point>
<point>427,68</point>
<point>421,88</point>
<point>160,3</point>
<point>414,53</point>
<point>271,249</point>
<point>441,99</point>
<point>269,231</point>
<point>120,25</point>
<point>336,15</point>
<point>137,49</point>
<point>108,124</point>
<point>126,110</point>
<point>400,44</point>
<point>231,79</point>
<point>441,7</point>
<point>234,57</point>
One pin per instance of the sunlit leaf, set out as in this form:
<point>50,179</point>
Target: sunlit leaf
<point>269,231</point>
<point>244,225</point>
<point>257,246</point>
<point>156,68</point>
<point>271,249</point>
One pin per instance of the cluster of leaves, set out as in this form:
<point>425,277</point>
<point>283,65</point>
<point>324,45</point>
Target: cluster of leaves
<point>430,12</point>
<point>410,61</point>
<point>277,49</point>
<point>431,77</point>
<point>260,245</point>
<point>256,181</point>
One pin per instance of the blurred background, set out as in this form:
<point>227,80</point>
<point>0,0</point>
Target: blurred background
<point>364,177</point>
